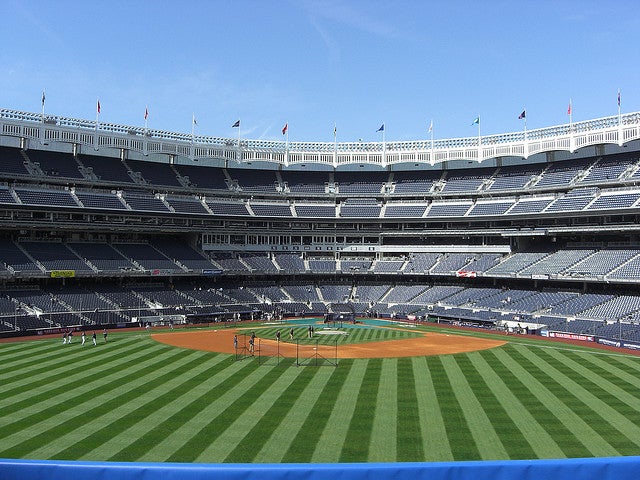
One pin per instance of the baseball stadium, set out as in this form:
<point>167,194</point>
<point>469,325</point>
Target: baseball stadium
<point>184,306</point>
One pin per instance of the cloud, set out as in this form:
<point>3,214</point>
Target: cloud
<point>346,14</point>
<point>324,16</point>
<point>36,22</point>
<point>332,45</point>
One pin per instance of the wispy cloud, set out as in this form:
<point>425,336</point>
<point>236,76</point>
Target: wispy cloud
<point>37,23</point>
<point>266,133</point>
<point>332,45</point>
<point>347,14</point>
<point>326,15</point>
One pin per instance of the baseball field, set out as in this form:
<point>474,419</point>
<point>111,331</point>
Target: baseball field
<point>380,393</point>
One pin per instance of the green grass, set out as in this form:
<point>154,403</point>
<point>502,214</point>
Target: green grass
<point>137,400</point>
<point>355,335</point>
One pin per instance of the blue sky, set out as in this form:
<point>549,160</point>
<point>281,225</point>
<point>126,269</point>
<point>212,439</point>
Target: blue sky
<point>311,64</point>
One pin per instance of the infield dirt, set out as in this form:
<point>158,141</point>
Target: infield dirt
<point>426,344</point>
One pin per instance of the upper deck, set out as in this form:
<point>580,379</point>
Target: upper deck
<point>47,129</point>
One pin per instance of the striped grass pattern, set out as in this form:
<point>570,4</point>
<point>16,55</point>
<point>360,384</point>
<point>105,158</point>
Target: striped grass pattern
<point>137,400</point>
<point>355,335</point>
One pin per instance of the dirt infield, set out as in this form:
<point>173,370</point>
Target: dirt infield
<point>427,344</point>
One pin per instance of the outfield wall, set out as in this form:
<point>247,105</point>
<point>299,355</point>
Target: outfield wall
<point>618,468</point>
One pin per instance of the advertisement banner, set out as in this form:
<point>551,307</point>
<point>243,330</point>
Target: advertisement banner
<point>466,274</point>
<point>62,273</point>
<point>572,336</point>
<point>211,272</point>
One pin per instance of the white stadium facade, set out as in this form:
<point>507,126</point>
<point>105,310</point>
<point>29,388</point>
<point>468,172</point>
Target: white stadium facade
<point>111,225</point>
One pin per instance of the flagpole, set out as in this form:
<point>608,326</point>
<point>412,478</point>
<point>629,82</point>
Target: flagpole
<point>526,144</point>
<point>194,122</point>
<point>571,139</point>
<point>384,147</point>
<point>479,141</point>
<point>97,112</point>
<point>41,129</point>
<point>145,136</point>
<point>237,124</point>
<point>619,114</point>
<point>286,145</point>
<point>95,136</point>
<point>335,145</point>
<point>431,132</point>
<point>619,121</point>
<point>239,151</point>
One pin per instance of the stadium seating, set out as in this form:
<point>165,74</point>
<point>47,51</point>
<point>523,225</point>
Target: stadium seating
<point>153,173</point>
<point>106,169</point>
<point>129,232</point>
<point>249,180</point>
<point>55,164</point>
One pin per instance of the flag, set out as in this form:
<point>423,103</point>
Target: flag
<point>381,129</point>
<point>476,121</point>
<point>98,106</point>
<point>618,98</point>
<point>285,128</point>
<point>466,274</point>
<point>195,122</point>
<point>335,129</point>
<point>522,115</point>
<point>431,126</point>
<point>236,125</point>
<point>569,108</point>
<point>146,113</point>
<point>43,98</point>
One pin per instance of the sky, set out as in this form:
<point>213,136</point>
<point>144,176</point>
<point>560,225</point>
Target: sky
<point>313,65</point>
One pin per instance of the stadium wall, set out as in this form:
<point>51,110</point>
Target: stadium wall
<point>619,468</point>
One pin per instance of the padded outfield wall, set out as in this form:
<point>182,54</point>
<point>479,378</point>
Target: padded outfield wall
<point>619,468</point>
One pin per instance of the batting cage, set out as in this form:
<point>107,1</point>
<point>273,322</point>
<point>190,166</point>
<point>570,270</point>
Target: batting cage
<point>339,314</point>
<point>287,347</point>
<point>297,353</point>
<point>270,353</point>
<point>312,352</point>
<point>244,346</point>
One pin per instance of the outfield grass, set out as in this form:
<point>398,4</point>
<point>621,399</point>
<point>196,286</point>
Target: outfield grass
<point>134,399</point>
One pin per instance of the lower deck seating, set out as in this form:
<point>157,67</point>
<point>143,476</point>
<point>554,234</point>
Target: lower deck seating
<point>36,308</point>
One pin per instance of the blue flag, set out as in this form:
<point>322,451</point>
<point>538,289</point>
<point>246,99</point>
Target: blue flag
<point>476,121</point>
<point>381,129</point>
